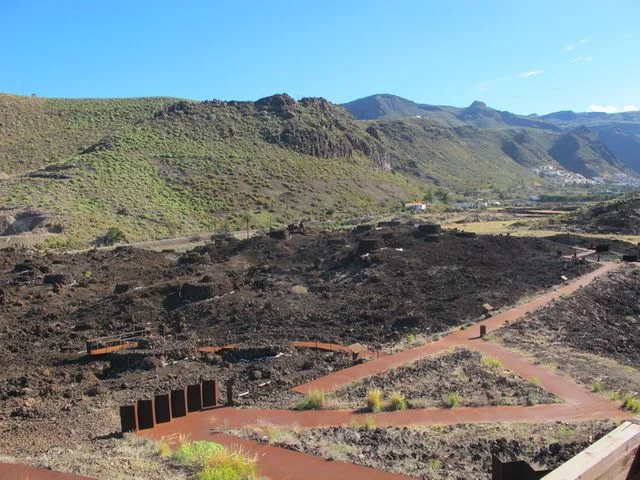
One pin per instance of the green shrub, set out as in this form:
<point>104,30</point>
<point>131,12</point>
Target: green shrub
<point>369,423</point>
<point>113,236</point>
<point>434,464</point>
<point>374,400</point>
<point>631,403</point>
<point>397,401</point>
<point>596,387</point>
<point>493,363</point>
<point>226,465</point>
<point>535,381</point>
<point>452,399</point>
<point>615,396</point>
<point>411,338</point>
<point>196,453</point>
<point>312,401</point>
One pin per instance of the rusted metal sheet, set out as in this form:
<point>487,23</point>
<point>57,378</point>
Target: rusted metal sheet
<point>194,398</point>
<point>178,403</point>
<point>146,417</point>
<point>113,343</point>
<point>210,393</point>
<point>128,418</point>
<point>218,349</point>
<point>112,348</point>
<point>162,407</point>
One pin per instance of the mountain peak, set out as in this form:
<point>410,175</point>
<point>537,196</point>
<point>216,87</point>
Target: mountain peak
<point>478,104</point>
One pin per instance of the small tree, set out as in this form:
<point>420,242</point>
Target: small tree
<point>113,236</point>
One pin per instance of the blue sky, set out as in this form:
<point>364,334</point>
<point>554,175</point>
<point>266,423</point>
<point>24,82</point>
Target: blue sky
<point>524,56</point>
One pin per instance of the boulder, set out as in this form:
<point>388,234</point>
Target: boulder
<point>58,279</point>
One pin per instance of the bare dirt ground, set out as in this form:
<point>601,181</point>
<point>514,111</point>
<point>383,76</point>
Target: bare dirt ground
<point>593,335</point>
<point>443,453</point>
<point>427,382</point>
<point>374,288</point>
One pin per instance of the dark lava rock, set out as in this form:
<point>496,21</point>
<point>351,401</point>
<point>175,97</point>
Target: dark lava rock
<point>197,292</point>
<point>58,279</point>
<point>122,288</point>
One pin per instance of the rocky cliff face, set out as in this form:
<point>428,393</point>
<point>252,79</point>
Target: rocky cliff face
<point>311,126</point>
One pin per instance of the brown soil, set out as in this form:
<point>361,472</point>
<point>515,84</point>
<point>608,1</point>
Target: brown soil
<point>427,382</point>
<point>443,453</point>
<point>260,293</point>
<point>593,335</point>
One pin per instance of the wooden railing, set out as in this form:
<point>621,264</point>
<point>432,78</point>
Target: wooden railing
<point>615,456</point>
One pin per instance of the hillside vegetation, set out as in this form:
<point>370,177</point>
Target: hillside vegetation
<point>161,167</point>
<point>35,132</point>
<point>192,167</point>
<point>591,144</point>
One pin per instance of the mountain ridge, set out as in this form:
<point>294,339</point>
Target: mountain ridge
<point>619,132</point>
<point>165,167</point>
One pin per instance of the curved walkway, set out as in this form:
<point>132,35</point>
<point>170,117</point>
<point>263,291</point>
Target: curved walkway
<point>16,471</point>
<point>579,403</point>
<point>468,338</point>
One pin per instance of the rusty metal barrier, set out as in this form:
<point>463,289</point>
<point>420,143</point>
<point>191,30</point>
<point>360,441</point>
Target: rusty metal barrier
<point>194,398</point>
<point>210,393</point>
<point>146,416</point>
<point>178,403</point>
<point>164,407</point>
<point>128,418</point>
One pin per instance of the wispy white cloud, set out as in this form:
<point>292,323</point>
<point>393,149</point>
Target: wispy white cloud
<point>530,73</point>
<point>611,108</point>
<point>486,86</point>
<point>602,108</point>
<point>581,60</point>
<point>573,46</point>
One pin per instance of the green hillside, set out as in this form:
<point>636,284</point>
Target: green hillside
<point>564,139</point>
<point>191,167</point>
<point>460,159</point>
<point>39,131</point>
<point>159,168</point>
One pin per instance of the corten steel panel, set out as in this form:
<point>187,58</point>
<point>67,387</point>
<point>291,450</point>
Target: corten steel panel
<point>178,403</point>
<point>146,418</point>
<point>128,418</point>
<point>209,394</point>
<point>162,406</point>
<point>483,331</point>
<point>194,398</point>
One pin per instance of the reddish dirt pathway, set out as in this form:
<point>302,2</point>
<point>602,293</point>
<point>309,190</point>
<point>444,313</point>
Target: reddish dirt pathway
<point>344,377</point>
<point>283,464</point>
<point>202,425</point>
<point>15,471</point>
<point>580,404</point>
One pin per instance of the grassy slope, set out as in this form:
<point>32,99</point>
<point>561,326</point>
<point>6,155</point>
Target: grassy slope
<point>462,158</point>
<point>38,131</point>
<point>181,172</point>
<point>159,168</point>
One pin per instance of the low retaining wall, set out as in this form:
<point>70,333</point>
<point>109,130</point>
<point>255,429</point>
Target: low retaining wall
<point>164,407</point>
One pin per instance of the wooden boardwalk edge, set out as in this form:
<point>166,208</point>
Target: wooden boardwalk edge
<point>616,456</point>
